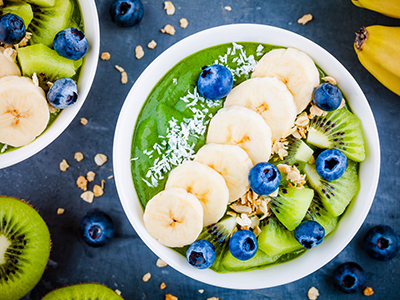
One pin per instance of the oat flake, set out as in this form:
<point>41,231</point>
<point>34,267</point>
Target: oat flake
<point>201,291</point>
<point>184,23</point>
<point>305,19</point>
<point>98,191</point>
<point>146,277</point>
<point>160,263</point>
<point>139,52</point>
<point>169,29</point>
<point>90,176</point>
<point>118,292</point>
<point>60,211</point>
<point>64,165</point>
<point>84,121</point>
<point>313,293</point>
<point>152,44</point>
<point>169,8</point>
<point>163,285</point>
<point>105,56</point>
<point>88,196</point>
<point>330,80</point>
<point>368,291</point>
<point>78,156</point>
<point>81,182</point>
<point>228,8</point>
<point>170,297</point>
<point>100,159</point>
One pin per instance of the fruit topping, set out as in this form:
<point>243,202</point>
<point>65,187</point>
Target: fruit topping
<point>43,3</point>
<point>309,234</point>
<point>382,242</point>
<point>201,254</point>
<point>260,259</point>
<point>317,212</point>
<point>264,178</point>
<point>71,43</point>
<point>126,13</point>
<point>339,129</point>
<point>63,93</point>
<point>215,82</point>
<point>84,291</point>
<point>21,9</point>
<point>8,64</point>
<point>349,278</point>
<point>97,228</point>
<point>331,164</point>
<point>243,244</point>
<point>12,29</point>
<point>327,96</point>
<point>337,194</point>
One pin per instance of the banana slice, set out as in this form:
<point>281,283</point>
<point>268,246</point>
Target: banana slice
<point>174,217</point>
<point>24,112</point>
<point>294,68</point>
<point>207,185</point>
<point>270,98</point>
<point>8,66</point>
<point>237,125</point>
<point>232,162</point>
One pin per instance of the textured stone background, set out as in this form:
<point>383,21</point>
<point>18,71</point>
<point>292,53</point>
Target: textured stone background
<point>122,263</point>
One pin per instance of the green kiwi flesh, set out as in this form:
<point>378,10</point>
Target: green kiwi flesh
<point>337,194</point>
<point>45,62</point>
<point>298,154</point>
<point>291,205</point>
<point>87,291</point>
<point>48,21</point>
<point>339,129</point>
<point>42,3</point>
<point>275,239</point>
<point>317,212</point>
<point>232,264</point>
<point>24,248</point>
<point>21,9</point>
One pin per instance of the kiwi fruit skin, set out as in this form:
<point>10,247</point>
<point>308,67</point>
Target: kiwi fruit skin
<point>86,291</point>
<point>339,129</point>
<point>27,256</point>
<point>21,9</point>
<point>337,194</point>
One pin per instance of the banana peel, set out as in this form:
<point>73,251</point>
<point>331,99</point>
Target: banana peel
<point>378,49</point>
<point>390,8</point>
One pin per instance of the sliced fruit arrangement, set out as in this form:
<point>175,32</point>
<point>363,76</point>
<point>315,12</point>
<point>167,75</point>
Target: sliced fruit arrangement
<point>84,291</point>
<point>24,248</point>
<point>21,9</point>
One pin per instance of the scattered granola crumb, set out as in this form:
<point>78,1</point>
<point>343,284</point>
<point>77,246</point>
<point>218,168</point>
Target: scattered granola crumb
<point>124,75</point>
<point>110,177</point>
<point>330,80</point>
<point>152,44</point>
<point>118,292</point>
<point>49,84</point>
<point>305,19</point>
<point>163,285</point>
<point>100,159</point>
<point>25,40</point>
<point>105,56</point>
<point>88,196</point>
<point>313,293</point>
<point>103,182</point>
<point>170,297</point>
<point>169,29</point>
<point>120,69</point>
<point>213,298</point>
<point>228,8</point>
<point>90,176</point>
<point>52,109</point>
<point>98,191</point>
<point>60,211</point>
<point>1,3</point>
<point>81,182</point>
<point>368,291</point>
<point>184,23</point>
<point>84,121</point>
<point>169,8</point>
<point>160,263</point>
<point>316,111</point>
<point>342,104</point>
<point>146,277</point>
<point>139,52</point>
<point>35,79</point>
<point>293,174</point>
<point>201,291</point>
<point>64,165</point>
<point>78,156</point>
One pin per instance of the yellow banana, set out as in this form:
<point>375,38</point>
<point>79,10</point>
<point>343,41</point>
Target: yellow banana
<point>378,49</point>
<point>390,8</point>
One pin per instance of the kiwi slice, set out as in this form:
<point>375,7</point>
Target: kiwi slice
<point>21,9</point>
<point>42,3</point>
<point>232,264</point>
<point>24,248</point>
<point>86,291</point>
<point>291,205</point>
<point>339,129</point>
<point>337,194</point>
<point>48,21</point>
<point>317,212</point>
<point>46,63</point>
<point>298,154</point>
<point>275,239</point>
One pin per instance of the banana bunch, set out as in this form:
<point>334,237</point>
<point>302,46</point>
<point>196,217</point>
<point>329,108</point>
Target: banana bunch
<point>390,8</point>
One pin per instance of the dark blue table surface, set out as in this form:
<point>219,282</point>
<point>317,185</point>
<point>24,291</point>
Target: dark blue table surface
<point>122,263</point>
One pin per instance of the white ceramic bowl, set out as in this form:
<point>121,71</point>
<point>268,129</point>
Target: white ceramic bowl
<point>311,260</point>
<point>92,32</point>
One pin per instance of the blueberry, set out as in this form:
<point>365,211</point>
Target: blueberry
<point>382,242</point>
<point>309,234</point>
<point>12,29</point>
<point>243,244</point>
<point>331,164</point>
<point>215,82</point>
<point>96,228</point>
<point>201,254</point>
<point>327,96</point>
<point>126,13</point>
<point>71,43</point>
<point>349,278</point>
<point>264,178</point>
<point>63,93</point>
